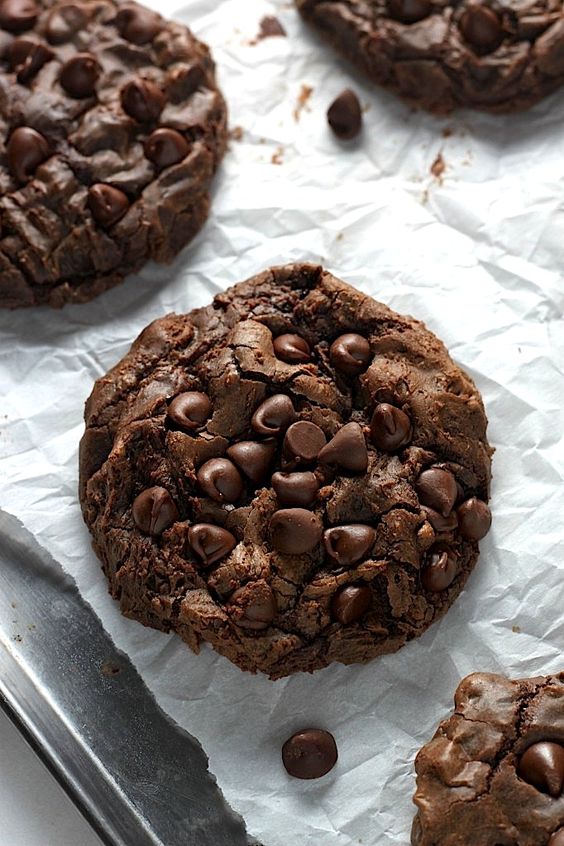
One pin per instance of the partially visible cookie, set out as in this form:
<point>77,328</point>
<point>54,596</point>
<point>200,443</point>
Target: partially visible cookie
<point>111,128</point>
<point>440,55</point>
<point>493,775</point>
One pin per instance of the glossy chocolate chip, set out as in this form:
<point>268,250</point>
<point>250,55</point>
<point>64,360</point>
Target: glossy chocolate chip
<point>438,522</point>
<point>166,147</point>
<point>295,488</point>
<point>253,606</point>
<point>253,459</point>
<point>303,442</point>
<point>63,23</point>
<point>440,569</point>
<point>542,765</point>
<point>481,27</point>
<point>79,76</point>
<point>107,204</point>
<point>474,519</point>
<point>350,603</point>
<point>220,480</point>
<point>137,24</point>
<point>308,754</point>
<point>26,58</point>
<point>26,150</point>
<point>18,15</point>
<point>274,415</point>
<point>142,100</point>
<point>346,450</point>
<point>210,543</point>
<point>557,838</point>
<point>390,428</point>
<point>295,531</point>
<point>292,349</point>
<point>154,511</point>
<point>347,545</point>
<point>350,354</point>
<point>344,116</point>
<point>409,11</point>
<point>437,489</point>
<point>190,410</point>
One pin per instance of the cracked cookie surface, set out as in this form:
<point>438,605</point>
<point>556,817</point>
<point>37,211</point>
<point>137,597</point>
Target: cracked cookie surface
<point>294,474</point>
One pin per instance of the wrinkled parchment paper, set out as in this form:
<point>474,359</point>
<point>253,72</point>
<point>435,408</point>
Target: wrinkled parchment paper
<point>459,222</point>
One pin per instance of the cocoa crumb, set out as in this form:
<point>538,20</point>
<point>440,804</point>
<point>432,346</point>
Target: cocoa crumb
<point>303,97</point>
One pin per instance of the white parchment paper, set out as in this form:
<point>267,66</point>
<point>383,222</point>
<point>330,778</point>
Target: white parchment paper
<point>476,252</point>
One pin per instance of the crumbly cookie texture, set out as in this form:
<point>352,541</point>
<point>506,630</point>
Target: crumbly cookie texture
<point>440,55</point>
<point>493,775</point>
<point>295,474</point>
<point>111,128</point>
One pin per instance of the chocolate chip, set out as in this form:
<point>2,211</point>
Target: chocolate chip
<point>557,838</point>
<point>79,75</point>
<point>295,488</point>
<point>18,15</point>
<point>63,23</point>
<point>166,147</point>
<point>253,459</point>
<point>292,349</point>
<point>295,531</point>
<point>349,544</point>
<point>481,27</point>
<point>474,519</point>
<point>303,442</point>
<point>344,116</point>
<point>311,753</point>
<point>210,543</point>
<point>542,765</point>
<point>26,150</point>
<point>440,570</point>
<point>220,480</point>
<point>137,24</point>
<point>253,606</point>
<point>26,58</point>
<point>437,489</point>
<point>190,410</point>
<point>350,603</point>
<point>350,354</point>
<point>438,522</point>
<point>107,204</point>
<point>142,100</point>
<point>154,511</point>
<point>346,450</point>
<point>390,428</point>
<point>274,415</point>
<point>409,11</point>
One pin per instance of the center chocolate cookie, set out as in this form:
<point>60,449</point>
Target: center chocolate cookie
<point>294,474</point>
<point>111,128</point>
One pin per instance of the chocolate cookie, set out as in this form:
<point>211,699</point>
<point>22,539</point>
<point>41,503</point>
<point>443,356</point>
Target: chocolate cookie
<point>440,54</point>
<point>493,775</point>
<point>295,474</point>
<point>111,128</point>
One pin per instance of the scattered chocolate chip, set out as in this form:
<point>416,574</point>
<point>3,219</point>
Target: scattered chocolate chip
<point>253,459</point>
<point>253,606</point>
<point>344,116</point>
<point>79,75</point>
<point>154,511</point>
<point>142,100</point>
<point>303,442</point>
<point>350,603</point>
<point>557,838</point>
<point>295,488</point>
<point>26,58</point>
<point>274,415</point>
<point>190,410</point>
<point>137,24</point>
<point>474,519</point>
<point>438,522</point>
<point>390,428</point>
<point>440,570</point>
<point>542,765</point>
<point>481,27</point>
<point>409,11</point>
<point>295,531</point>
<point>292,349</point>
<point>349,544</point>
<point>437,489</point>
<point>18,15</point>
<point>270,27</point>
<point>350,354</point>
<point>220,480</point>
<point>107,204</point>
<point>210,543</point>
<point>63,23</point>
<point>166,147</point>
<point>26,150</point>
<point>346,450</point>
<point>311,753</point>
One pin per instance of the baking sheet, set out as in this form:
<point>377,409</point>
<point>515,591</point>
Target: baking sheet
<point>476,252</point>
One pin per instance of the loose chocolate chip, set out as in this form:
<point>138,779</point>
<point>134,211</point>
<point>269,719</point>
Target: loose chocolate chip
<point>344,116</point>
<point>292,349</point>
<point>474,519</point>
<point>63,23</point>
<point>390,428</point>
<point>137,24</point>
<point>295,488</point>
<point>107,204</point>
<point>210,543</point>
<point>347,450</point>
<point>26,58</point>
<point>557,838</point>
<point>190,410</point>
<point>26,150</point>
<point>542,765</point>
<point>142,100</point>
<point>253,606</point>
<point>350,603</point>
<point>438,522</point>
<point>220,480</point>
<point>295,531</point>
<point>481,27</point>
<point>440,570</point>
<point>437,489</point>
<point>311,753</point>
<point>274,415</point>
<point>154,511</point>
<point>79,75</point>
<point>303,442</point>
<point>409,11</point>
<point>166,147</point>
<point>349,544</point>
<point>350,354</point>
<point>253,459</point>
<point>18,15</point>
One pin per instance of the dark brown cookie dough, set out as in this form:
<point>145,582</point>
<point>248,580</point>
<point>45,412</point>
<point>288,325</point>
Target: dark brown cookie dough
<point>493,775</point>
<point>281,474</point>
<point>441,54</point>
<point>111,128</point>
